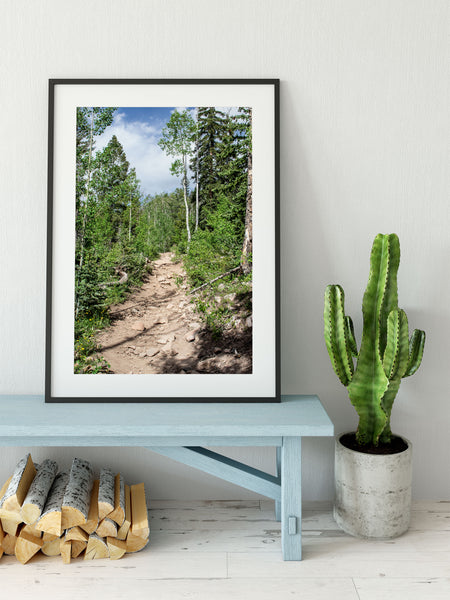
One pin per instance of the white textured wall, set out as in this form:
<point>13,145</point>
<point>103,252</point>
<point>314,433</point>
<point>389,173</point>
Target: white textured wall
<point>364,149</point>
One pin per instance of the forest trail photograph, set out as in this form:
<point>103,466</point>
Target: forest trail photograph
<point>163,245</point>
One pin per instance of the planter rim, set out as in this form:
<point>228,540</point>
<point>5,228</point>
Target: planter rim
<point>375,456</point>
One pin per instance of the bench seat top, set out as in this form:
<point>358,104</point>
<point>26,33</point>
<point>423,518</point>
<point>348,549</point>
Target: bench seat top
<point>30,419</point>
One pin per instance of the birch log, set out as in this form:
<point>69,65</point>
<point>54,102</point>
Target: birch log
<point>107,528</point>
<point>14,496</point>
<point>139,514</point>
<point>77,534</point>
<point>4,488</point>
<point>9,543</point>
<point>66,551</point>
<point>51,547</point>
<point>117,548</point>
<point>78,547</point>
<point>2,535</point>
<point>75,506</point>
<point>138,535</point>
<point>27,546</point>
<point>34,502</point>
<point>50,520</point>
<point>105,493</point>
<point>7,525</point>
<point>92,521</point>
<point>32,530</point>
<point>118,514</point>
<point>135,542</point>
<point>11,525</point>
<point>96,548</point>
<point>124,528</point>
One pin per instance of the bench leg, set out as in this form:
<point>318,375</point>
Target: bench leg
<point>277,502</point>
<point>291,498</point>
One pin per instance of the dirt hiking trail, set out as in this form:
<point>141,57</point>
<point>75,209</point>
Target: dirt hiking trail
<point>156,330</point>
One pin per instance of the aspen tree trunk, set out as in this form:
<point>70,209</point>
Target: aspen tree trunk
<point>185,200</point>
<point>83,229</point>
<point>248,234</point>
<point>129,225</point>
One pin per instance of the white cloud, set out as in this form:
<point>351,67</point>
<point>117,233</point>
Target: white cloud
<point>140,143</point>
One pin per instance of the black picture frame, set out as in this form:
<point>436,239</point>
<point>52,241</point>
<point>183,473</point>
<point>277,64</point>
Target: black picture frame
<point>61,385</point>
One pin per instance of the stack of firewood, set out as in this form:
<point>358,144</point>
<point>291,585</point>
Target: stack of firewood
<point>69,513</point>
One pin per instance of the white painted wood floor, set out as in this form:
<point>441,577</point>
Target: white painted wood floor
<point>231,551</point>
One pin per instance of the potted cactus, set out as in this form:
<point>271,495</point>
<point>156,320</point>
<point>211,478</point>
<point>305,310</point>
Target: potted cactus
<point>372,465</point>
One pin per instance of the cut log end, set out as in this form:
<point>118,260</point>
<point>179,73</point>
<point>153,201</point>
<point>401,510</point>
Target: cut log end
<point>76,534</point>
<point>78,547</point>
<point>9,544</point>
<point>32,530</point>
<point>27,546</point>
<point>51,547</point>
<point>96,548</point>
<point>117,548</point>
<point>71,517</point>
<point>11,526</point>
<point>107,528</point>
<point>50,523</point>
<point>30,513</point>
<point>135,543</point>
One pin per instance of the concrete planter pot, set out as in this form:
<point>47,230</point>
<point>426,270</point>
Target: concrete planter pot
<point>373,492</point>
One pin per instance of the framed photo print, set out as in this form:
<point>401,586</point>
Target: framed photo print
<point>163,241</point>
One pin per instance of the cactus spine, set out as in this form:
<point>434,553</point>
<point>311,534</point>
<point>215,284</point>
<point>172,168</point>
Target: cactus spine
<point>386,353</point>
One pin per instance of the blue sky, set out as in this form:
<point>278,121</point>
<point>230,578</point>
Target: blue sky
<point>138,130</point>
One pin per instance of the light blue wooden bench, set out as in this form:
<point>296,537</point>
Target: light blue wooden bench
<point>180,431</point>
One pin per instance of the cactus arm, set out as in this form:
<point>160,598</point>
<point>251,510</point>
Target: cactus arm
<point>335,332</point>
<point>351,336</point>
<point>416,346</point>
<point>394,363</point>
<point>386,257</point>
<point>396,354</point>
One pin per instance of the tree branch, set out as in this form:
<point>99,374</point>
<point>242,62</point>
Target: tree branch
<point>215,279</point>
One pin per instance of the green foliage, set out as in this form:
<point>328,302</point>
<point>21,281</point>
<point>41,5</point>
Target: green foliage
<point>216,248</point>
<point>86,358</point>
<point>223,144</point>
<point>119,231</point>
<point>385,356</point>
<point>110,256</point>
<point>220,303</point>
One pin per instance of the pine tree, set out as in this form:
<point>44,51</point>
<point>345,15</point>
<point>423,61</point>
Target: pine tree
<point>211,126</point>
